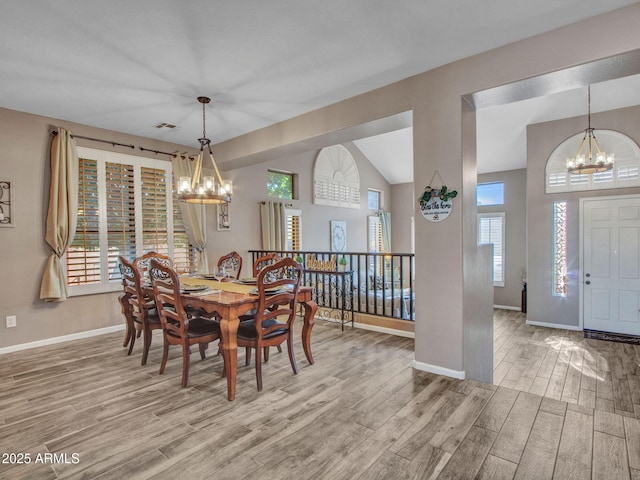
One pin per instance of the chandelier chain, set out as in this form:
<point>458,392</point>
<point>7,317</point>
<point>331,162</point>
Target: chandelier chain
<point>204,122</point>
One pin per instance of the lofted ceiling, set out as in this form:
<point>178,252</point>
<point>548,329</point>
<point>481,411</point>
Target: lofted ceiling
<point>129,66</point>
<point>501,130</point>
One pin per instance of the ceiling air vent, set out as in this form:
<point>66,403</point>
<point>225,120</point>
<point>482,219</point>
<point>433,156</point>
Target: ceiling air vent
<point>165,126</point>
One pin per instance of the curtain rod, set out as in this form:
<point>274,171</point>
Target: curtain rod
<point>190,157</point>
<point>286,204</point>
<point>98,140</point>
<point>54,133</point>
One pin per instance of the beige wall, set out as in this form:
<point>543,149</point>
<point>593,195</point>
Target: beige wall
<point>24,150</point>
<point>24,153</point>
<point>403,202</point>
<point>542,139</point>
<point>446,299</point>
<point>515,210</point>
<point>249,184</point>
<point>435,97</point>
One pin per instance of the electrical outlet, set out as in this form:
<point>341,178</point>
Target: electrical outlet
<point>11,321</point>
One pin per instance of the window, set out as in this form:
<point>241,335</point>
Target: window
<point>374,244</point>
<point>294,218</point>
<point>559,266</point>
<point>280,184</point>
<point>125,207</point>
<point>374,237</point>
<point>491,230</point>
<point>374,199</point>
<point>490,194</point>
<point>624,173</point>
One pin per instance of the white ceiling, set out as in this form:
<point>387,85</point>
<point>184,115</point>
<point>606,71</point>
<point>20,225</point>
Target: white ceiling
<point>129,65</point>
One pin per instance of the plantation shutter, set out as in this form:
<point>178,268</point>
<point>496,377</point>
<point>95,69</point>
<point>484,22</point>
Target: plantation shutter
<point>83,255</point>
<point>293,229</point>
<point>121,219</point>
<point>155,214</point>
<point>491,230</point>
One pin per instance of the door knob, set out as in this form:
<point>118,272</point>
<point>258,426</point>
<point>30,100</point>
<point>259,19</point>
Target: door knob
<point>588,275</point>
<point>588,282</point>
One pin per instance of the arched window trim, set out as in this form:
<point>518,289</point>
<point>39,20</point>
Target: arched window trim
<point>625,172</point>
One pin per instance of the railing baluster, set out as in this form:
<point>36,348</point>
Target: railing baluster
<point>375,277</point>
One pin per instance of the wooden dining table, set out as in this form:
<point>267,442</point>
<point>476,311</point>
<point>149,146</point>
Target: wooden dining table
<point>230,300</point>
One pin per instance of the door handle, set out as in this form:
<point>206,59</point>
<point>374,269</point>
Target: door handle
<point>588,282</point>
<point>588,275</point>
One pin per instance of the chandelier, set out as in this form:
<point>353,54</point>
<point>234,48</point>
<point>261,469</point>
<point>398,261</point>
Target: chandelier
<point>594,160</point>
<point>212,190</point>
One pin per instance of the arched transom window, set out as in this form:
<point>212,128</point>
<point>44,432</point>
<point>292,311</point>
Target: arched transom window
<point>625,172</point>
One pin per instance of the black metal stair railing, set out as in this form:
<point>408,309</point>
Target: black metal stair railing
<point>382,283</point>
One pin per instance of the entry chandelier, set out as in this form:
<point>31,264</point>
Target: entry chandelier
<point>594,160</point>
<point>212,190</point>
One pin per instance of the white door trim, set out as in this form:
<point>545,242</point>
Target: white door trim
<point>583,200</point>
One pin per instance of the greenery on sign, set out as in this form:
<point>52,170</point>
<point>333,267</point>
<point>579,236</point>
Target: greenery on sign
<point>442,193</point>
<point>280,184</point>
<point>342,261</point>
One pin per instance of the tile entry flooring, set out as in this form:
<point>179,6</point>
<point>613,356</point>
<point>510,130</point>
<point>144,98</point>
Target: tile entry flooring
<point>563,407</point>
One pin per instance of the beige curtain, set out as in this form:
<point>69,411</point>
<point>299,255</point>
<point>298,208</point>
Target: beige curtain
<point>62,214</point>
<point>274,226</point>
<point>193,215</point>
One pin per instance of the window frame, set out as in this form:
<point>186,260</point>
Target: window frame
<point>379,195</point>
<point>500,182</point>
<point>102,157</point>
<point>481,216</point>
<point>291,175</point>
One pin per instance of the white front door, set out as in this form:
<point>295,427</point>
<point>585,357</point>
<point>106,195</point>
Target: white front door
<point>611,265</point>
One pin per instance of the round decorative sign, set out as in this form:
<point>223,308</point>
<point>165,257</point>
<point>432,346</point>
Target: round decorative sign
<point>436,210</point>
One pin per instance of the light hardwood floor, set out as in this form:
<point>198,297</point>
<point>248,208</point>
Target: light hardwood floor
<point>361,412</point>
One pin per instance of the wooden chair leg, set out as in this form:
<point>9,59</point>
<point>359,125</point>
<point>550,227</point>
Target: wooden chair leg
<point>185,364</point>
<point>165,355</point>
<point>266,354</point>
<point>259,368</point>
<point>126,312</point>
<point>133,341</point>
<point>247,358</point>
<point>203,349</point>
<point>279,348</point>
<point>147,343</point>
<point>292,357</point>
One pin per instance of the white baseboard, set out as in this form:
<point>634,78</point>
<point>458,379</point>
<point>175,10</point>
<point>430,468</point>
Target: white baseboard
<point>64,338</point>
<point>506,307</point>
<point>554,325</point>
<point>447,372</point>
<point>391,331</point>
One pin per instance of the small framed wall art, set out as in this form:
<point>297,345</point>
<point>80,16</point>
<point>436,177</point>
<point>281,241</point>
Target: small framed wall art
<point>7,204</point>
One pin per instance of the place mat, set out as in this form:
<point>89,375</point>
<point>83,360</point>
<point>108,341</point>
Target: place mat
<point>189,287</point>
<point>223,286</point>
<point>208,291</point>
<point>268,291</point>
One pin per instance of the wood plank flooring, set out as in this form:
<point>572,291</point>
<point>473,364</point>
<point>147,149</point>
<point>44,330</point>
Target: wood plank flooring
<point>361,412</point>
<point>563,365</point>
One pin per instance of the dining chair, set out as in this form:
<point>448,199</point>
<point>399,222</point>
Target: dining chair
<point>177,327</point>
<point>258,265</point>
<point>231,262</point>
<point>272,325</point>
<point>143,312</point>
<point>142,263</point>
<point>264,261</point>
